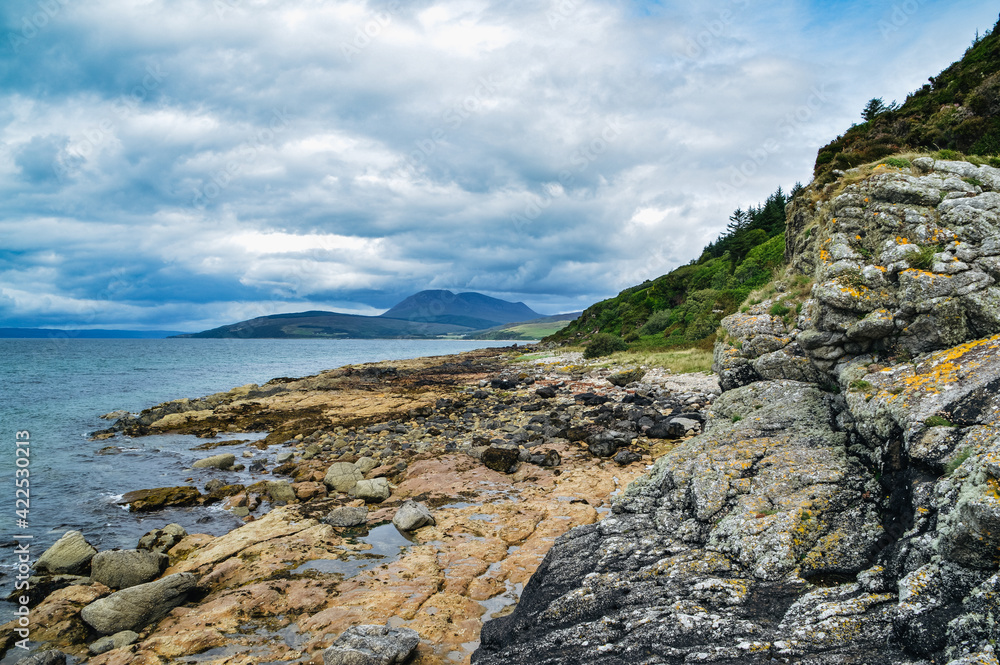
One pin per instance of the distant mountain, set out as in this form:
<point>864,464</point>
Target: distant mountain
<point>329,325</point>
<point>470,310</point>
<point>51,333</point>
<point>426,314</point>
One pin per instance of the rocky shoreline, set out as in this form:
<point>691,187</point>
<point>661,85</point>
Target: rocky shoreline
<point>419,495</point>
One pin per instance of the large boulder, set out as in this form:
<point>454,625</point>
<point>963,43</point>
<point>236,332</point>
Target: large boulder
<point>412,515</point>
<point>120,569</point>
<point>70,555</point>
<point>137,607</point>
<point>504,460</point>
<point>342,476</point>
<point>372,645</point>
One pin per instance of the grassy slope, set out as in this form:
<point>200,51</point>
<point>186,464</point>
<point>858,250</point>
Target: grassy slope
<point>957,110</point>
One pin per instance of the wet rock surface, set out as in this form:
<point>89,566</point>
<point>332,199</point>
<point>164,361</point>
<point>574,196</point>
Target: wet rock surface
<point>321,552</point>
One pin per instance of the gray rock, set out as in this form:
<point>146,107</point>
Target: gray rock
<point>622,379</point>
<point>281,458</point>
<point>366,464</point>
<point>70,555</point>
<point>120,569</point>
<point>346,516</point>
<point>213,485</point>
<point>137,607</point>
<point>342,476</point>
<point>116,641</point>
<point>412,515</point>
<point>161,540</point>
<point>223,461</point>
<point>372,645</point>
<point>51,657</point>
<point>281,493</point>
<point>375,490</point>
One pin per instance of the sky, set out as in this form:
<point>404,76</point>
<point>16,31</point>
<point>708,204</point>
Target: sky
<point>183,164</point>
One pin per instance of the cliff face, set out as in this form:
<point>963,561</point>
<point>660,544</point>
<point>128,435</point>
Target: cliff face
<point>843,504</point>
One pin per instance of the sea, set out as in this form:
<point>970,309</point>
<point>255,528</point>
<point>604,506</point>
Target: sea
<point>55,390</point>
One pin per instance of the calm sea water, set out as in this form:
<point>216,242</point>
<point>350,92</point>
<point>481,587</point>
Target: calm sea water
<point>57,389</point>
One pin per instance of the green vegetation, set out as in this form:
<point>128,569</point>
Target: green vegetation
<point>957,461</point>
<point>957,112</point>
<point>923,259</point>
<point>860,386</point>
<point>682,309</point>
<point>780,308</point>
<point>737,418</point>
<point>938,421</point>
<point>897,162</point>
<point>603,344</point>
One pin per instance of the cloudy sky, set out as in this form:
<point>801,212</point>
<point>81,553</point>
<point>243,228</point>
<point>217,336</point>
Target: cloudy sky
<point>181,164</point>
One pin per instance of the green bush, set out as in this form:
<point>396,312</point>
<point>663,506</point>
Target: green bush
<point>938,421</point>
<point>658,322</point>
<point>603,344</point>
<point>896,162</point>
<point>780,308</point>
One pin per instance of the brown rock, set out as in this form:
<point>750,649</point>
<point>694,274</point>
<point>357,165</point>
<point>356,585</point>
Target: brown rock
<point>161,497</point>
<point>309,490</point>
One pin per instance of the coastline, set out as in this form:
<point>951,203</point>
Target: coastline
<point>425,426</point>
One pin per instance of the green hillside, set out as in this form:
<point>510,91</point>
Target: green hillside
<point>957,110</point>
<point>956,116</point>
<point>328,325</point>
<point>684,307</point>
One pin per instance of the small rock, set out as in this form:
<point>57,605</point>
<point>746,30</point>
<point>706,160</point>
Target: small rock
<point>213,485</point>
<point>240,511</point>
<point>546,392</point>
<point>280,493</point>
<point>120,569</point>
<point>347,516</point>
<point>70,555</point>
<point>375,490</point>
<point>372,645</point>
<point>137,607</point>
<point>622,379</point>
<point>626,457</point>
<point>365,464</point>
<point>109,450</point>
<point>342,476</point>
<point>309,490</point>
<point>412,515</point>
<point>546,458</point>
<point>602,447</point>
<point>281,458</point>
<point>51,657</point>
<point>504,460</point>
<point>223,461</point>
<point>161,540</point>
<point>116,641</point>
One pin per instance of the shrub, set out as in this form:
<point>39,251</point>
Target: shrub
<point>948,154</point>
<point>938,421</point>
<point>657,323</point>
<point>603,344</point>
<point>896,162</point>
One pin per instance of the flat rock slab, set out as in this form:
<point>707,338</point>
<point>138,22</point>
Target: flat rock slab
<point>157,498</point>
<point>137,607</point>
<point>347,516</point>
<point>223,461</point>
